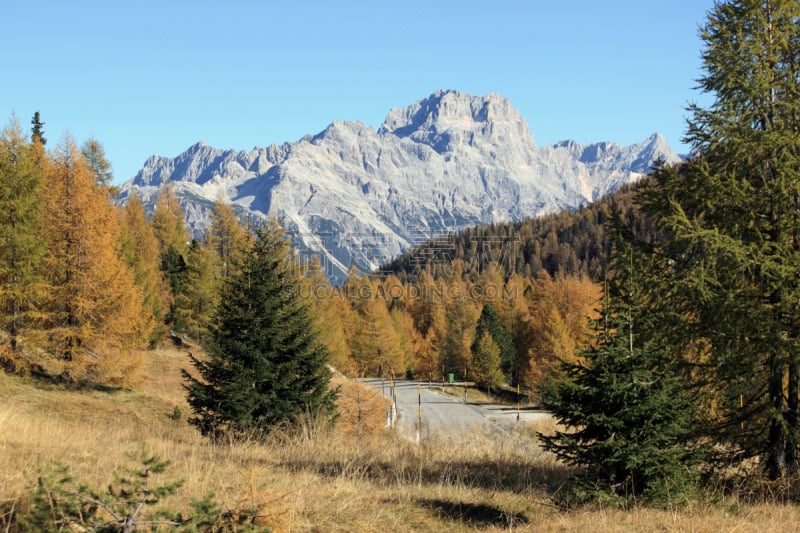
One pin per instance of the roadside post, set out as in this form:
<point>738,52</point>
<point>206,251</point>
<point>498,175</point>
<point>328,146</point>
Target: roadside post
<point>419,411</point>
<point>465,385</point>
<point>394,396</point>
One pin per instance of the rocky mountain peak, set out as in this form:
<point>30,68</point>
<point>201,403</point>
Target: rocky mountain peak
<point>356,196</point>
<point>450,118</point>
<point>340,131</point>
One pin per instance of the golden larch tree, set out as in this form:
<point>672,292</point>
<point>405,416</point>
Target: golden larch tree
<point>427,308</point>
<point>461,314</point>
<point>329,311</point>
<point>485,369</point>
<point>168,222</point>
<point>410,341</point>
<point>95,319</point>
<point>22,169</point>
<point>373,342</point>
<point>196,303</point>
<point>142,254</point>
<point>559,324</point>
<point>489,288</point>
<point>516,320</point>
<point>226,238</point>
<point>173,238</point>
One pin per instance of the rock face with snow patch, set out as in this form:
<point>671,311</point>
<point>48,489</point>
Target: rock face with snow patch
<point>357,196</point>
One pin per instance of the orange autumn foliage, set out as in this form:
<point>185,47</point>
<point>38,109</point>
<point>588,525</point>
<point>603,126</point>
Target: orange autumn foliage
<point>95,322</point>
<point>558,325</point>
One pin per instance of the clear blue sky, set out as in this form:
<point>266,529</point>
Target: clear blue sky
<point>147,77</point>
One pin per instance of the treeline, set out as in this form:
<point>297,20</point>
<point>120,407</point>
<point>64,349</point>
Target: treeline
<point>71,305</point>
<point>85,286</point>
<point>568,243</point>
<point>495,330</point>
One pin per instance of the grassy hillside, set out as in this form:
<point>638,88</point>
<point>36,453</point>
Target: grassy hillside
<point>357,477</point>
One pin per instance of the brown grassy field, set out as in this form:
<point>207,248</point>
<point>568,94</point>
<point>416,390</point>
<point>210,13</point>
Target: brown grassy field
<point>355,477</point>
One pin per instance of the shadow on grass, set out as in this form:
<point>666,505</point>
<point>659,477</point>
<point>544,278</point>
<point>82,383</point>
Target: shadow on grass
<point>473,514</point>
<point>41,379</point>
<point>490,475</point>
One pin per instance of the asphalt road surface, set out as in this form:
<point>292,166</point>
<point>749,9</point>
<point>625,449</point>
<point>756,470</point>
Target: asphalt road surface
<point>446,414</point>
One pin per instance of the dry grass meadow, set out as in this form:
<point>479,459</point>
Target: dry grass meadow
<point>355,477</point>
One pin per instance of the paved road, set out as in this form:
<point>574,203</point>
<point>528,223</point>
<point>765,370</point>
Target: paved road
<point>445,413</point>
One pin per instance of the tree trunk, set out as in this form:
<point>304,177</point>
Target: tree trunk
<point>776,441</point>
<point>792,414</point>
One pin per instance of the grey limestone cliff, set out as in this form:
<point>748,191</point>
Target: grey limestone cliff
<point>356,195</point>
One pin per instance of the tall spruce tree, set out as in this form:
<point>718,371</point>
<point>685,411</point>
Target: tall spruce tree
<point>627,413</point>
<point>730,222</point>
<point>265,362</point>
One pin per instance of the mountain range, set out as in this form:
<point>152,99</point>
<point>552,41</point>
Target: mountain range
<point>354,195</point>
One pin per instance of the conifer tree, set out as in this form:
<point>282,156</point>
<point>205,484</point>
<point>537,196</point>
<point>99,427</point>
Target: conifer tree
<point>140,248</point>
<point>490,323</point>
<point>730,221</point>
<point>95,156</point>
<point>427,308</point>
<point>266,364</point>
<point>95,320</point>
<point>196,303</point>
<point>557,324</point>
<point>373,342</point>
<point>330,311</point>
<point>226,238</point>
<point>486,360</point>
<point>627,413</point>
<point>21,244</point>
<point>393,292</point>
<point>488,288</point>
<point>409,341</point>
<point>37,130</point>
<point>516,289</point>
<point>461,315</point>
<point>168,222</point>
<point>169,227</point>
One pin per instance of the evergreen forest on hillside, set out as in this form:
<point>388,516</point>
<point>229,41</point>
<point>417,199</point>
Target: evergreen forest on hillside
<point>568,243</point>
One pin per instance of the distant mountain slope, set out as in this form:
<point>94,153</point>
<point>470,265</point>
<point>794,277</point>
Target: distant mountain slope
<point>355,195</point>
<point>566,243</point>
